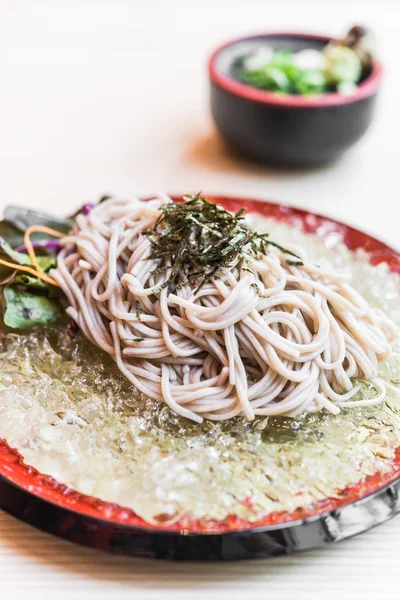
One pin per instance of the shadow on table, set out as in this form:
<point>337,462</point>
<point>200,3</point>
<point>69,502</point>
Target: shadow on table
<point>212,152</point>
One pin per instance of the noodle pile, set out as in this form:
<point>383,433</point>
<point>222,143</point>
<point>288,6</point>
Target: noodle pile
<point>265,336</point>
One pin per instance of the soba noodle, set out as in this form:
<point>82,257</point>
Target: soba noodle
<point>273,337</point>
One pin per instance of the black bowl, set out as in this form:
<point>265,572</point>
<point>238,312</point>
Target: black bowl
<point>287,129</point>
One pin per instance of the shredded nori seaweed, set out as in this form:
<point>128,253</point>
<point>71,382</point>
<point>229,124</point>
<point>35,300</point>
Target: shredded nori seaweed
<point>196,239</point>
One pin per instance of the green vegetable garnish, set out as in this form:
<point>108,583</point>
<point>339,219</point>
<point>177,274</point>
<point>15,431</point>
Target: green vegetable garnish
<point>342,65</point>
<point>21,218</point>
<point>23,309</point>
<point>12,256</point>
<point>27,300</point>
<point>336,68</point>
<point>311,82</point>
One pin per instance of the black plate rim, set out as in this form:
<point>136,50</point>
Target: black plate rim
<point>200,534</point>
<point>259,543</point>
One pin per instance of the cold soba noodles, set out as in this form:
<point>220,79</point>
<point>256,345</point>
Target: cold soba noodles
<point>202,313</point>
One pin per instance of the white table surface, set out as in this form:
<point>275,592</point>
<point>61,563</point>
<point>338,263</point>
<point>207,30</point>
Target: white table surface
<point>110,96</point>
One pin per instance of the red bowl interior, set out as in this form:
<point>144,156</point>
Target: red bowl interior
<point>29,479</point>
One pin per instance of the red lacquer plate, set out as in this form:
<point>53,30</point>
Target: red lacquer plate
<point>43,502</point>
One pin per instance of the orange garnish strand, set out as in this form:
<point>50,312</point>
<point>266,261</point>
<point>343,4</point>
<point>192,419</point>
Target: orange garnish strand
<point>29,247</point>
<point>36,269</point>
<point>34,272</point>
